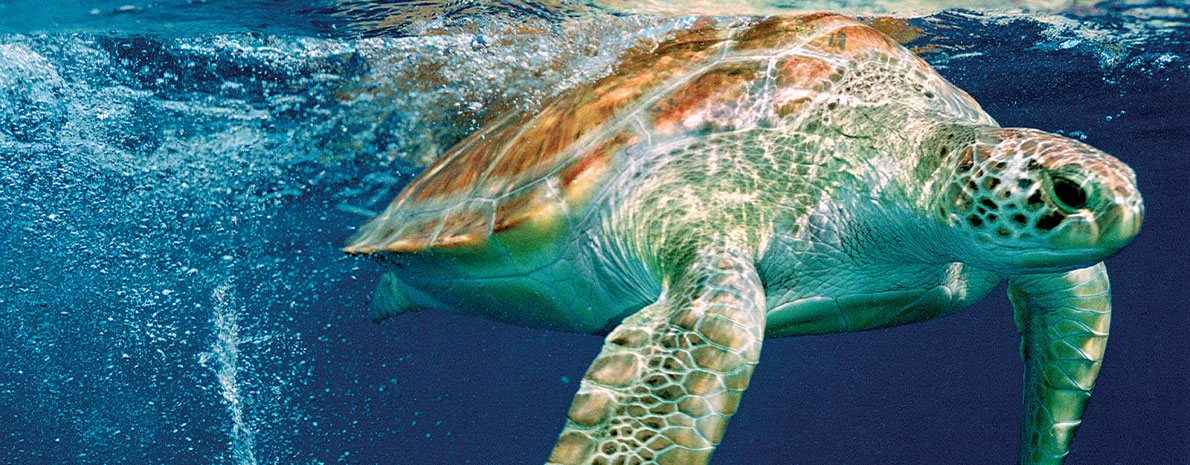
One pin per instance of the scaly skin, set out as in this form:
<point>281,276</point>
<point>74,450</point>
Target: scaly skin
<point>1063,319</point>
<point>671,375</point>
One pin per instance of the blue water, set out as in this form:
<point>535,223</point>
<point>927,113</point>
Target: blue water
<point>176,177</point>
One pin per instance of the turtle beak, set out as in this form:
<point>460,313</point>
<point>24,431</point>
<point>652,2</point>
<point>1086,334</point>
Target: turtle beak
<point>1100,232</point>
<point>1118,224</point>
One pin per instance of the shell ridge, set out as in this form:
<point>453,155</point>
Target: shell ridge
<point>551,184</point>
<point>374,235</point>
<point>642,130</point>
<point>504,150</point>
<point>770,83</point>
<point>448,158</point>
<point>595,135</point>
<point>446,213</point>
<point>626,119</point>
<point>490,205</point>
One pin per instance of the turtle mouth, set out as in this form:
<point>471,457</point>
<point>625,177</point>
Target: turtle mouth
<point>1111,227</point>
<point>1082,240</point>
<point>1049,260</point>
<point>1119,225</point>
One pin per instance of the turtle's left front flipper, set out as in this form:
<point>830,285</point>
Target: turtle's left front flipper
<point>1063,320</point>
<point>671,375</point>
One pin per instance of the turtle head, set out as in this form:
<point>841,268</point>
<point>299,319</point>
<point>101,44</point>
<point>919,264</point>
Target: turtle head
<point>1035,201</point>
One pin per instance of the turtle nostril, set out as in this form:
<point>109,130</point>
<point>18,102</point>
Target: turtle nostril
<point>1069,194</point>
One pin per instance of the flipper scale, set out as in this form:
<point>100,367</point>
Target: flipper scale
<point>670,376</point>
<point>1063,319</point>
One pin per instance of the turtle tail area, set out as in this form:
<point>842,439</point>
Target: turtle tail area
<point>392,298</point>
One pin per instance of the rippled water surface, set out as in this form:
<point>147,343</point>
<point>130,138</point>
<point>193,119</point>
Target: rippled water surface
<point>176,178</point>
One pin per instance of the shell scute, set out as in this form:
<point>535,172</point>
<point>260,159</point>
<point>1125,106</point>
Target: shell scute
<point>579,179</point>
<point>515,209</point>
<point>556,128</point>
<point>548,137</point>
<point>695,44</point>
<point>780,31</point>
<point>415,233</point>
<point>851,40</point>
<point>455,173</point>
<point>706,31</point>
<point>468,223</point>
<point>798,79</point>
<point>708,100</point>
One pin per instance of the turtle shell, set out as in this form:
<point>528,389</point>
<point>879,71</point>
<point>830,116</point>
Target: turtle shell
<point>523,173</point>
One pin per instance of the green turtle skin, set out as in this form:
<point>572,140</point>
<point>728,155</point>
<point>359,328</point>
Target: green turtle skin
<point>756,178</point>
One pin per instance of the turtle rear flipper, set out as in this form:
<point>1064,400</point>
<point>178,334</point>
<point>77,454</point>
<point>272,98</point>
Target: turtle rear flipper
<point>1063,319</point>
<point>671,375</point>
<point>392,298</point>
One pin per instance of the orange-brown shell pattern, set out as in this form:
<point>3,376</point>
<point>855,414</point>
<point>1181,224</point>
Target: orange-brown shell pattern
<point>526,167</point>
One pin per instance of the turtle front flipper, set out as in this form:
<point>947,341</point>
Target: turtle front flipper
<point>1063,319</point>
<point>671,375</point>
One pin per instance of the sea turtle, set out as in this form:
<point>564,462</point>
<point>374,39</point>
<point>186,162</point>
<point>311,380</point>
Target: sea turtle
<point>753,178</point>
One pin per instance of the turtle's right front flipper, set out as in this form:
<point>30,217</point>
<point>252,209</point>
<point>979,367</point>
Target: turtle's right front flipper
<point>1063,319</point>
<point>671,375</point>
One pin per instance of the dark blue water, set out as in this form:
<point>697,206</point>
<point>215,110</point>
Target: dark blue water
<point>176,179</point>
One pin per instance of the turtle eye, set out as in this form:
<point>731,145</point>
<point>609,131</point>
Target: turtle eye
<point>1068,195</point>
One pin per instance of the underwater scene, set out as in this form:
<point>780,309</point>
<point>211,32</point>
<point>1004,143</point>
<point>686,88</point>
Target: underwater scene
<point>178,178</point>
